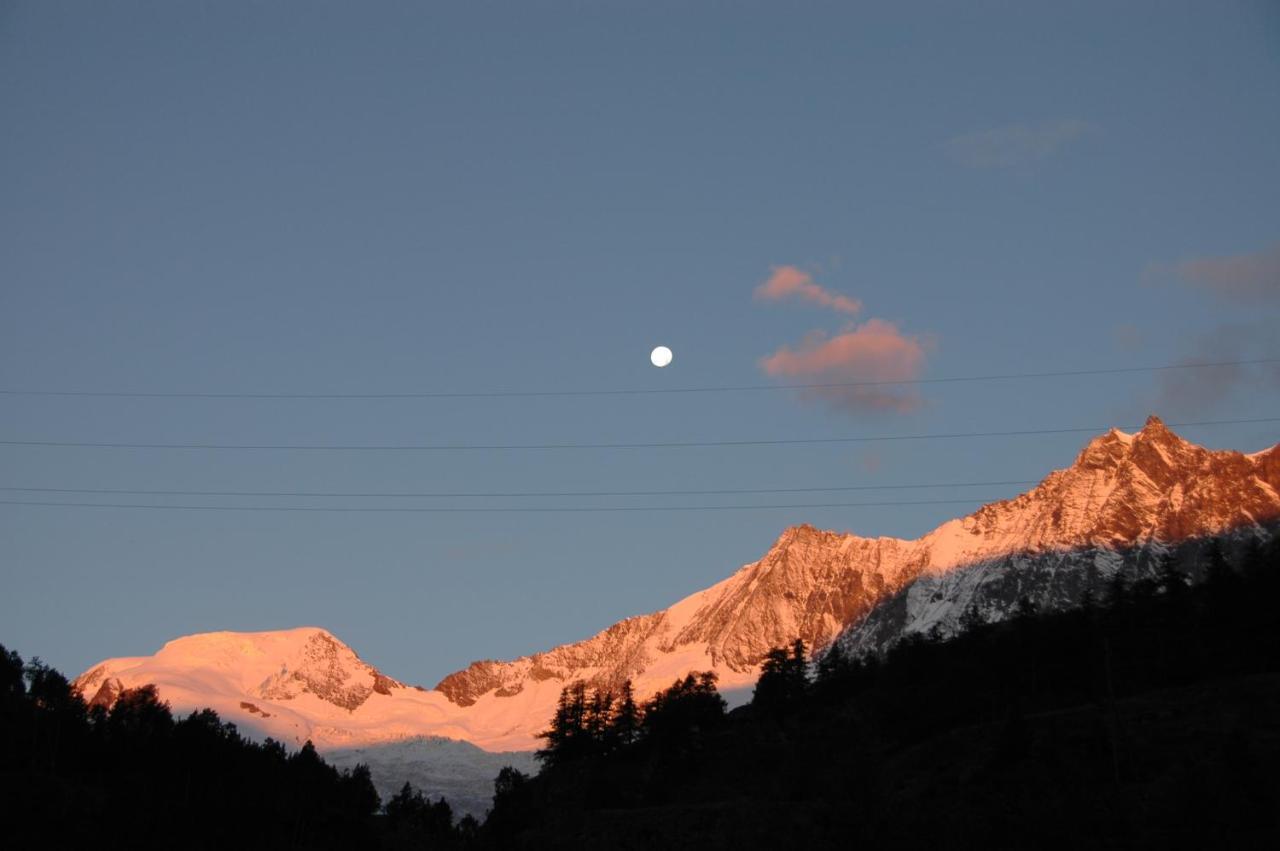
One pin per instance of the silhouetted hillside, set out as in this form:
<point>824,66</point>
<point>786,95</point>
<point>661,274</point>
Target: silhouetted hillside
<point>1147,719</point>
<point>134,777</point>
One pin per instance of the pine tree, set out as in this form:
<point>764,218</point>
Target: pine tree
<point>674,717</point>
<point>784,679</point>
<point>567,737</point>
<point>404,808</point>
<point>597,721</point>
<point>626,719</point>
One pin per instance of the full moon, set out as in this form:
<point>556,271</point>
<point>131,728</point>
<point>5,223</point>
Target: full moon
<point>660,356</point>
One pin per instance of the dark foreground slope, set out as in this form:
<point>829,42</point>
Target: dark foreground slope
<point>1149,718</point>
<point>133,776</point>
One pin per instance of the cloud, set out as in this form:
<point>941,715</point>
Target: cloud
<point>875,352</point>
<point>1015,144</point>
<point>1247,278</point>
<point>1193,391</point>
<point>790,282</point>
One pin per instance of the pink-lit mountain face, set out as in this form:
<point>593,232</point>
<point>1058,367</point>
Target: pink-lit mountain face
<point>1126,502</point>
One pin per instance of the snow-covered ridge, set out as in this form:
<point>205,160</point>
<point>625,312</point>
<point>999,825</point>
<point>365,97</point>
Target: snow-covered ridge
<point>294,685</point>
<point>1123,489</point>
<point>1124,499</point>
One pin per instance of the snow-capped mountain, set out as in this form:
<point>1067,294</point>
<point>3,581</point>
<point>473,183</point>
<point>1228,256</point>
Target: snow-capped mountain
<point>304,684</point>
<point>298,684</point>
<point>1126,500</point>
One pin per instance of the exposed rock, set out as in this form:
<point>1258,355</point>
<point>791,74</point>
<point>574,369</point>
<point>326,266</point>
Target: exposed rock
<point>1132,493</point>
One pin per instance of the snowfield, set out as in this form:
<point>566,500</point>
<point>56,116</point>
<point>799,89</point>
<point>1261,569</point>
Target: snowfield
<point>1127,501</point>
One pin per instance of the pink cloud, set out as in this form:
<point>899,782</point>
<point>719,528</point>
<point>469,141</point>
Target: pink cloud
<point>1242,277</point>
<point>788,282</point>
<point>870,356</point>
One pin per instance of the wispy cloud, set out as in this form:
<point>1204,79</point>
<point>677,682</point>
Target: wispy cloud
<point>1015,145</point>
<point>790,282</point>
<point>1244,278</point>
<point>1192,391</point>
<point>875,351</point>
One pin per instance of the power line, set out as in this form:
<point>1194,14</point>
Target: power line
<point>352,447</point>
<point>634,391</point>
<point>477,510</point>
<point>508,494</point>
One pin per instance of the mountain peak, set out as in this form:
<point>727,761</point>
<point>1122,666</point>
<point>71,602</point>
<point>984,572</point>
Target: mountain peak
<point>1105,450</point>
<point>280,665</point>
<point>1154,430</point>
<point>1114,447</point>
<point>1128,498</point>
<point>799,533</point>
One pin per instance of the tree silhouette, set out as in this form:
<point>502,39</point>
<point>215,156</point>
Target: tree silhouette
<point>626,719</point>
<point>676,716</point>
<point>784,680</point>
<point>567,739</point>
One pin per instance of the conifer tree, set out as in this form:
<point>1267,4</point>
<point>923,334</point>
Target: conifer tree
<point>567,738</point>
<point>626,719</point>
<point>784,679</point>
<point>597,721</point>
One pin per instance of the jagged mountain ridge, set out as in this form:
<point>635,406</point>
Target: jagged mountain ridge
<point>1123,490</point>
<point>274,666</point>
<point>1124,500</point>
<point>1127,502</point>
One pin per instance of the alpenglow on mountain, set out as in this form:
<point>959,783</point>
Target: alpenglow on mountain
<point>1128,501</point>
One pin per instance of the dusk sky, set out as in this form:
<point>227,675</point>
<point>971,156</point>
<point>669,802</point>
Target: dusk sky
<point>397,198</point>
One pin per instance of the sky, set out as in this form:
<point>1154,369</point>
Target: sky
<point>366,198</point>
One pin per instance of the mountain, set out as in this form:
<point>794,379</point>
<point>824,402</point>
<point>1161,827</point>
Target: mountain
<point>1123,503</point>
<point>299,684</point>
<point>1127,502</point>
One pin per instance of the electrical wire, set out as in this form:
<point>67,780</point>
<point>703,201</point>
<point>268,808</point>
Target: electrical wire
<point>478,510</point>
<point>464,447</point>
<point>505,494</point>
<point>634,391</point>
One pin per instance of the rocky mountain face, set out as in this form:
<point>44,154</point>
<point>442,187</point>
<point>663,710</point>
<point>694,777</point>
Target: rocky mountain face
<point>1127,502</point>
<point>304,684</point>
<point>267,666</point>
<point>810,585</point>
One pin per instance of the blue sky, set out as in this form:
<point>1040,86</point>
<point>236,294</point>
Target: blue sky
<point>377,197</point>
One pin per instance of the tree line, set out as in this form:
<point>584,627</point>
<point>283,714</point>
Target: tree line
<point>1141,718</point>
<point>133,776</point>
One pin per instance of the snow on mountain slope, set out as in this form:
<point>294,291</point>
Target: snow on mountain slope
<point>460,771</point>
<point>1123,491</point>
<point>1126,500</point>
<point>300,684</point>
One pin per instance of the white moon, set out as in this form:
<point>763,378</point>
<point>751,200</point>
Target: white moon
<point>660,356</point>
